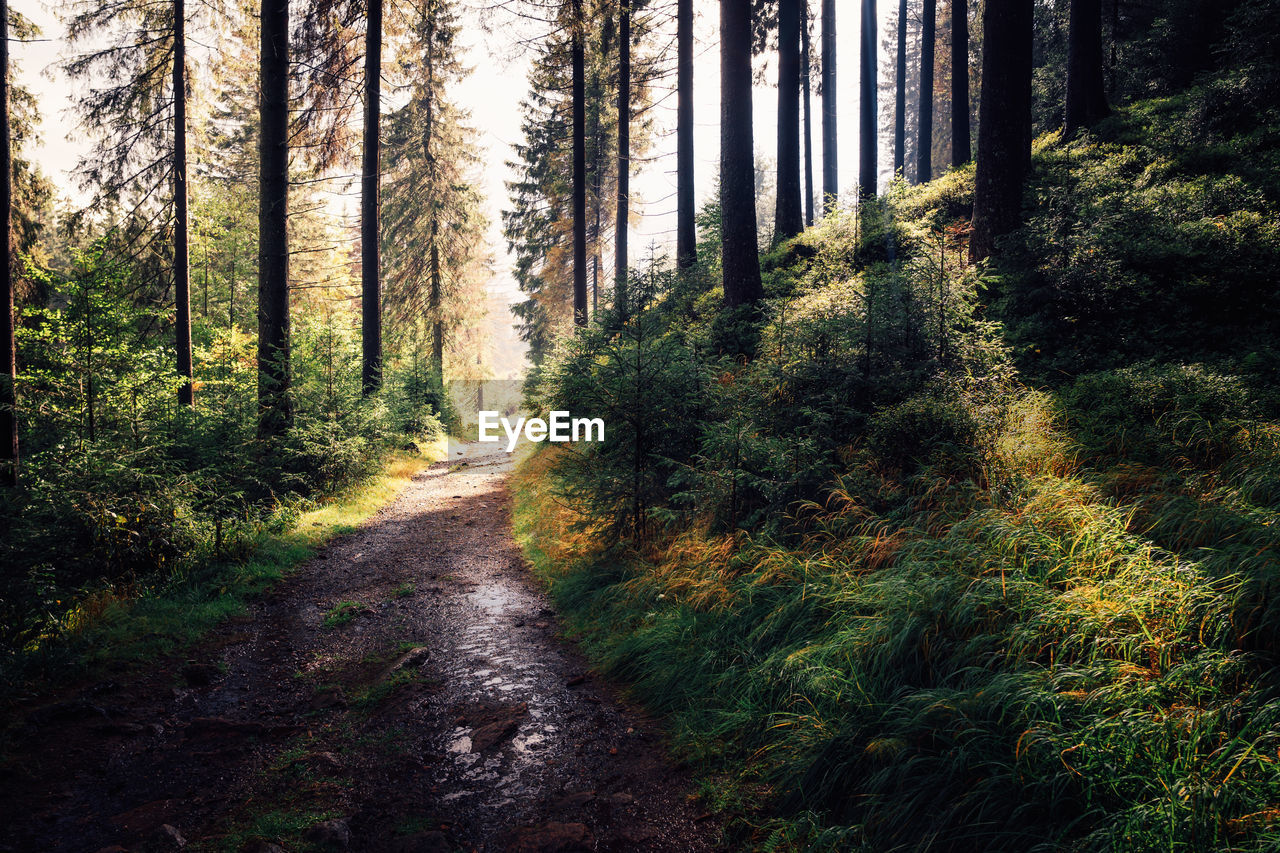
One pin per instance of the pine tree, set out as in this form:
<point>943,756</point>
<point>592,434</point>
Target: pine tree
<point>924,126</point>
<point>739,250</point>
<point>370,206</point>
<point>686,231</point>
<point>868,149</point>
<point>140,119</point>
<point>275,412</point>
<point>806,71</point>
<point>624,159</point>
<point>1086,91</point>
<point>900,95</point>
<point>431,195</point>
<point>578,187</point>
<point>8,347</point>
<point>788,212</point>
<point>1004,129</point>
<point>961,149</point>
<point>830,185</point>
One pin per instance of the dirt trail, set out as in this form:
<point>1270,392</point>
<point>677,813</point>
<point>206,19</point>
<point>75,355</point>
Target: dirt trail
<point>438,711</point>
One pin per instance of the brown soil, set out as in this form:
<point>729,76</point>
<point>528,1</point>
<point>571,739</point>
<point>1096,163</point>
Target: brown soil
<point>443,712</point>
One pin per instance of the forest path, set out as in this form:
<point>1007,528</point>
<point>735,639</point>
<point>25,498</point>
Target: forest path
<point>406,690</point>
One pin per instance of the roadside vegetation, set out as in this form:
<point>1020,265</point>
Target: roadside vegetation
<point>958,557</point>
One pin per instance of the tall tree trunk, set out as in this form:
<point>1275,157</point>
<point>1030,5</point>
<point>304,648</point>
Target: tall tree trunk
<point>1086,90</point>
<point>436,307</point>
<point>961,148</point>
<point>740,254</point>
<point>788,216</point>
<point>370,208</point>
<point>579,167</point>
<point>686,229</point>
<point>624,160</point>
<point>1004,128</point>
<point>868,147</point>
<point>8,346</point>
<point>900,96</point>
<point>275,411</point>
<point>181,251</point>
<point>806,70</point>
<point>830,183</point>
<point>928,45</point>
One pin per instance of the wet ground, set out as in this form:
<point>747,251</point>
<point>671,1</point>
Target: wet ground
<point>407,690</point>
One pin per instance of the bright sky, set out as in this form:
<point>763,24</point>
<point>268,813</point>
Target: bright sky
<point>493,93</point>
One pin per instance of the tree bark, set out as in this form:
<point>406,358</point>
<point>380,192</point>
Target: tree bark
<point>928,46</point>
<point>686,229</point>
<point>900,93</point>
<point>436,298</point>
<point>624,160</point>
<point>1004,129</point>
<point>181,223</point>
<point>961,147</point>
<point>8,344</point>
<point>806,70</point>
<point>868,147</point>
<point>1086,89</point>
<point>830,183</point>
<point>579,167</point>
<point>370,208</point>
<point>788,216</point>
<point>740,257</point>
<point>274,406</point>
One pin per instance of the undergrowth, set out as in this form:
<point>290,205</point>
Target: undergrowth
<point>962,558</point>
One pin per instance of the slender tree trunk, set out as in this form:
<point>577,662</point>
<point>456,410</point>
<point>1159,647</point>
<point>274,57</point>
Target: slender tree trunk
<point>928,47</point>
<point>370,208</point>
<point>231,300</point>
<point>181,226</point>
<point>900,93</point>
<point>274,407</point>
<point>830,184</point>
<point>1086,89</point>
<point>8,345</point>
<point>686,229</point>
<point>436,310</point>
<point>1004,129</point>
<point>579,168</point>
<point>624,160</point>
<point>739,249</point>
<point>788,216</point>
<point>806,70</point>
<point>961,148</point>
<point>868,147</point>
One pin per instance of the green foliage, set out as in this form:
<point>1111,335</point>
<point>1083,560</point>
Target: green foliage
<point>123,492</point>
<point>898,599</point>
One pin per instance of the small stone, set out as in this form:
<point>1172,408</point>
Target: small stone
<point>329,834</point>
<point>412,659</point>
<point>167,838</point>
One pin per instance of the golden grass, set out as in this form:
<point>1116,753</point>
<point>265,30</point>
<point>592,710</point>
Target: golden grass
<point>357,505</point>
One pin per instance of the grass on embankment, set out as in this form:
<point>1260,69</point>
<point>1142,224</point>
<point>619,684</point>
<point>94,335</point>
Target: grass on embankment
<point>1065,650</point>
<point>111,632</point>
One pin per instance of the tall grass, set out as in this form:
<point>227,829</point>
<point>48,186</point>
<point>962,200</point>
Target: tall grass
<point>1062,651</point>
